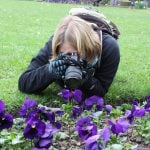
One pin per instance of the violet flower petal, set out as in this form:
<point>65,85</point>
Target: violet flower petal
<point>28,104</point>
<point>65,94</point>
<point>2,106</point>
<point>35,130</point>
<point>6,121</point>
<point>86,132</point>
<point>108,108</point>
<point>76,111</point>
<point>77,95</point>
<point>45,143</point>
<point>92,146</point>
<point>147,98</point>
<point>140,112</point>
<point>84,121</point>
<point>94,100</point>
<point>92,139</point>
<point>124,123</point>
<point>105,134</point>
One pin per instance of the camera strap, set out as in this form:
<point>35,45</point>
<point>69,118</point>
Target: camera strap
<point>101,40</point>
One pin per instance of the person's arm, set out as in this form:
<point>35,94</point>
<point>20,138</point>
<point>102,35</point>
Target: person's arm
<point>36,78</point>
<point>104,75</point>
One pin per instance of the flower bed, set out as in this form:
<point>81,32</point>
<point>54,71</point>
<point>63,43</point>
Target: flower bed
<point>88,124</point>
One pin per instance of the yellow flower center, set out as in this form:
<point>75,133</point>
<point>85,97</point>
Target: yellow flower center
<point>33,126</point>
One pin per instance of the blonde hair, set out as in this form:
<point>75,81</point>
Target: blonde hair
<point>80,35</point>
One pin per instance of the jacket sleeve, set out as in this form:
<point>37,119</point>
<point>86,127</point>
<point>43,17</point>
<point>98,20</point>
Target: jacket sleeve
<point>36,78</point>
<point>105,73</point>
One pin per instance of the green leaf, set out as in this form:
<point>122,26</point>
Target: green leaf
<point>2,141</point>
<point>134,146</point>
<point>12,135</point>
<point>126,107</point>
<point>116,113</point>
<point>117,147</point>
<point>4,133</point>
<point>67,107</point>
<point>17,141</point>
<point>61,136</point>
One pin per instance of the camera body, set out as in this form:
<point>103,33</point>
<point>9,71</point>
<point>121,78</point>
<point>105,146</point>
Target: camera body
<point>73,74</point>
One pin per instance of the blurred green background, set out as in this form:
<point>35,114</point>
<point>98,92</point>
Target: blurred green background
<point>25,26</point>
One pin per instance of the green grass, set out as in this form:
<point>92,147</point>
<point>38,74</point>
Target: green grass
<point>26,25</point>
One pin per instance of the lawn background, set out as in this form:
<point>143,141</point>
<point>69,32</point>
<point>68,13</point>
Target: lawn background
<point>25,26</point>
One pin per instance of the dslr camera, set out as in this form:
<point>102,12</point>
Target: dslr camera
<point>73,74</point>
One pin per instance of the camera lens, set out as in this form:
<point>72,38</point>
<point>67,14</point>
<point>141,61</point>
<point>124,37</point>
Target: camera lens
<point>73,77</point>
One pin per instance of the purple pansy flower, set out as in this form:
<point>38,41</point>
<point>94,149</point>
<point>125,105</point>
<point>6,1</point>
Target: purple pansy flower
<point>77,95</point>
<point>27,105</point>
<point>2,106</point>
<point>35,129</point>
<point>51,118</point>
<point>120,126</point>
<point>147,98</point>
<point>105,134</point>
<point>57,124</point>
<point>76,111</point>
<point>84,121</point>
<point>85,128</point>
<point>108,108</point>
<point>115,128</point>
<point>45,140</point>
<point>33,114</point>
<point>49,130</point>
<point>124,123</point>
<point>92,146</point>
<point>31,119</point>
<point>86,132</point>
<point>92,143</point>
<point>34,148</point>
<point>138,112</point>
<point>6,121</point>
<point>134,102</point>
<point>59,113</point>
<point>147,105</point>
<point>130,114</point>
<point>135,111</point>
<point>66,94</point>
<point>94,100</point>
<point>92,139</point>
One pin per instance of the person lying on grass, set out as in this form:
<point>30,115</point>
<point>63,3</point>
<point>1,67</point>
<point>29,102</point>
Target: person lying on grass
<point>77,56</point>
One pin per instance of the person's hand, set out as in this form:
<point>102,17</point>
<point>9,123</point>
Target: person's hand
<point>88,81</point>
<point>57,68</point>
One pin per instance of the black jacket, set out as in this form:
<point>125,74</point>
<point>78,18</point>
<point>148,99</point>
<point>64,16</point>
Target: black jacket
<point>36,78</point>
